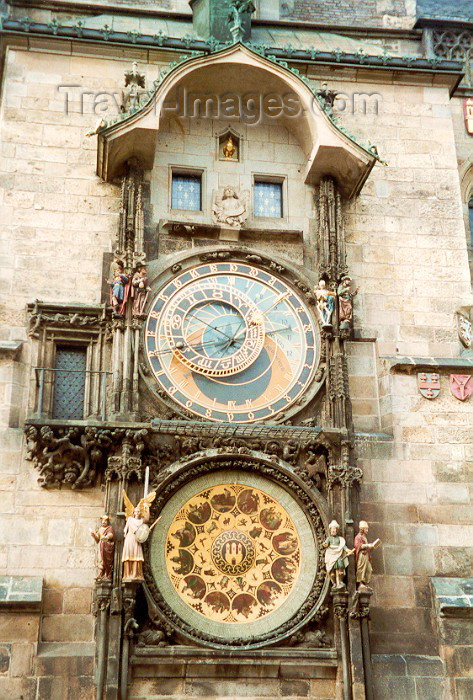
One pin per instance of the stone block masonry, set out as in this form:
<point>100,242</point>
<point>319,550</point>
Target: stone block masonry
<point>371,13</point>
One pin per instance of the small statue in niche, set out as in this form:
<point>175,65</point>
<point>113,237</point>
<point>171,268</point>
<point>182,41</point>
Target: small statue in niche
<point>119,289</point>
<point>230,149</point>
<point>139,291</point>
<point>238,9</point>
<point>230,207</point>
<point>325,304</point>
<point>345,302</point>
<point>132,555</point>
<point>105,538</point>
<point>336,555</point>
<point>327,98</point>
<point>131,94</point>
<point>363,553</point>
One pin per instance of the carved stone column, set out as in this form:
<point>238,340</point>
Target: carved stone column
<point>102,606</point>
<point>130,250</point>
<point>361,612</point>
<point>340,609</point>
<point>130,626</point>
<point>117,367</point>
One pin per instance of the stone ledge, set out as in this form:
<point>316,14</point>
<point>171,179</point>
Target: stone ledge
<point>453,597</point>
<point>10,347</point>
<point>416,364</point>
<point>21,593</point>
<point>54,649</point>
<point>235,664</point>
<point>233,656</point>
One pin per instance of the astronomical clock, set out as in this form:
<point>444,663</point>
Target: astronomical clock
<point>208,393</point>
<point>231,342</point>
<point>237,558</point>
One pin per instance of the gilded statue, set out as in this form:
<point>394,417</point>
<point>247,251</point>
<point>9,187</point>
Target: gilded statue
<point>229,149</point>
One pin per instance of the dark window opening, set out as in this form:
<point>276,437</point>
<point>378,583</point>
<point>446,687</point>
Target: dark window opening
<point>69,382</point>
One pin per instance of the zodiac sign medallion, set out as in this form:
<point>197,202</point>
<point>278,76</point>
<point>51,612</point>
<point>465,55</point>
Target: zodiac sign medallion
<point>233,553</point>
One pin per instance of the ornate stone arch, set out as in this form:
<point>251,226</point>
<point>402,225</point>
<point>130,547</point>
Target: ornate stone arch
<point>328,148</point>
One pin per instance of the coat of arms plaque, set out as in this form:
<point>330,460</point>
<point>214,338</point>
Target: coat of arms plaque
<point>461,386</point>
<point>428,384</point>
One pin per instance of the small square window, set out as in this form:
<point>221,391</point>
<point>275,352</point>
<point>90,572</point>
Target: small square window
<point>186,192</point>
<point>268,199</point>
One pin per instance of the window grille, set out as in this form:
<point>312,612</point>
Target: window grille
<point>268,199</point>
<point>186,192</point>
<point>69,383</point>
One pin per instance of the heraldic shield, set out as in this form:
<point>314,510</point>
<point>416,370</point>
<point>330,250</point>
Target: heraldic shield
<point>429,384</point>
<point>461,386</point>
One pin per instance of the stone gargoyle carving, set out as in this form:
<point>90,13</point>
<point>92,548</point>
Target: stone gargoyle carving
<point>230,206</point>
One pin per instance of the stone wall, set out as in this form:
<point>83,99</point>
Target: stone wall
<point>407,253</point>
<point>372,13</point>
<point>58,219</point>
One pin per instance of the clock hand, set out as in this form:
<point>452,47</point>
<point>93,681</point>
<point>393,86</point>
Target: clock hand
<point>181,346</point>
<point>263,313</point>
<point>280,330</point>
<point>275,303</point>
<point>209,325</point>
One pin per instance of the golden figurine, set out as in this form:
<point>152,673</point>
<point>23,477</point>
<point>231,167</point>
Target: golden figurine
<point>229,149</point>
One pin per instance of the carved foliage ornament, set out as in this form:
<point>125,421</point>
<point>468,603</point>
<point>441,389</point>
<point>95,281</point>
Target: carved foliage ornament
<point>74,456</point>
<point>68,456</point>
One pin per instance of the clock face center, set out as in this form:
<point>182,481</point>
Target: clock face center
<point>233,552</point>
<point>216,344</point>
<point>212,330</point>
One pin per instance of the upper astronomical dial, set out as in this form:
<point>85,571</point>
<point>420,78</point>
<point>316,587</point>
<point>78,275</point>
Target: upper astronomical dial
<point>215,329</point>
<point>231,342</point>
